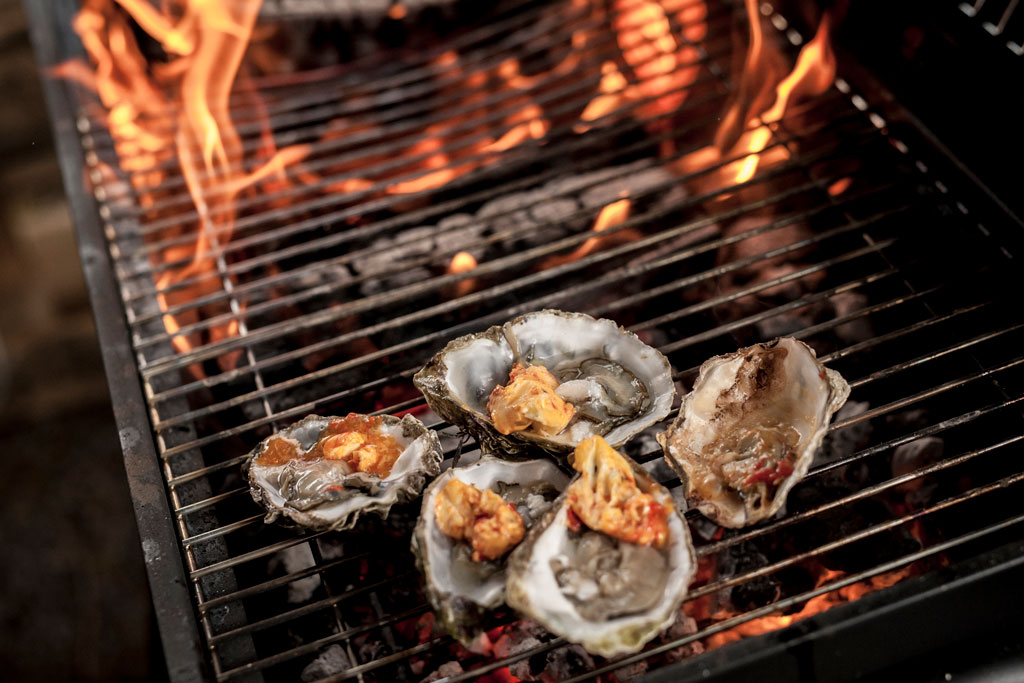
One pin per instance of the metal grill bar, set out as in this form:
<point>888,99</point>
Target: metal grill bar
<point>212,350</point>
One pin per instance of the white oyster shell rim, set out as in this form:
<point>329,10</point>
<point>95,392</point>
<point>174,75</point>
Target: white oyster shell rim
<point>421,453</point>
<point>474,366</point>
<point>820,391</point>
<point>484,474</point>
<point>533,589</point>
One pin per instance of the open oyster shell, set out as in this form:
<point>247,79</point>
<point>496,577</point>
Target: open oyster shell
<point>461,590</point>
<point>649,584</point>
<point>324,494</point>
<point>458,381</point>
<point>748,431</point>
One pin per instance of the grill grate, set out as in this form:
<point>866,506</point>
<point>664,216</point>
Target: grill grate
<point>852,242</point>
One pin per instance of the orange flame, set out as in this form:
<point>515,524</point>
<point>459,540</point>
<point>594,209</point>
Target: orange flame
<point>745,129</point>
<point>208,39</point>
<point>463,262</point>
<point>662,64</point>
<point>813,606</point>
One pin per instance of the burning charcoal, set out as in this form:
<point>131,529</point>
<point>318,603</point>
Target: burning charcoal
<point>630,185</point>
<point>641,445</point>
<point>369,648</point>
<point>459,234</point>
<point>295,559</point>
<point>911,457</point>
<point>660,470</point>
<point>632,671</point>
<point>738,561</point>
<point>554,210</point>
<point>330,662</point>
<point>444,671</point>
<point>841,444</point>
<point>856,330</point>
<point>564,662</point>
<point>570,185</point>
<point>682,627</point>
<point>701,526</point>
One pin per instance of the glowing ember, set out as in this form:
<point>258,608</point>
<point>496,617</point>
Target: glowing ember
<point>461,263</point>
<point>612,215</point>
<point>813,606</point>
<point>840,186</point>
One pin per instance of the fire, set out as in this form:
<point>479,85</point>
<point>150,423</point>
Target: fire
<point>813,606</point>
<point>206,41</point>
<point>610,216</point>
<point>463,262</point>
<point>663,65</point>
<point>745,129</point>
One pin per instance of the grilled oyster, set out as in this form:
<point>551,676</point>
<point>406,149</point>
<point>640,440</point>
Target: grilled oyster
<point>460,587</point>
<point>749,429</point>
<point>611,561</point>
<point>326,472</point>
<point>523,374</point>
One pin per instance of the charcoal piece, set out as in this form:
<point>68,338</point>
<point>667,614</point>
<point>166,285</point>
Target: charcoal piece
<point>447,669</point>
<point>701,526</point>
<point>554,210</point>
<point>858,329</point>
<point>462,239</point>
<point>402,278</point>
<point>324,274</point>
<point>682,627</point>
<point>628,185</point>
<point>911,457</point>
<point>843,443</point>
<point>330,662</point>
<point>632,671</point>
<point>570,185</point>
<point>292,560</point>
<point>867,552</point>
<point>738,561</point>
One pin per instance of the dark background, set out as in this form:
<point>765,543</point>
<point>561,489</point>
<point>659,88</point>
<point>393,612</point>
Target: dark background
<point>73,595</point>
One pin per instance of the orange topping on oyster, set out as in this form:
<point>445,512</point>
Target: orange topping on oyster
<point>490,525</point>
<point>606,497</point>
<point>529,401</point>
<point>354,439</point>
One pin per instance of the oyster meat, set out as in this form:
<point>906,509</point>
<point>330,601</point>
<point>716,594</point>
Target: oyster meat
<point>471,517</point>
<point>549,379</point>
<point>748,431</point>
<point>326,472</point>
<point>611,561</point>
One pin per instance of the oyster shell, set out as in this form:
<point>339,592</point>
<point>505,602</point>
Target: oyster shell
<point>748,431</point>
<point>460,589</point>
<point>328,494</point>
<point>609,595</point>
<point>618,385</point>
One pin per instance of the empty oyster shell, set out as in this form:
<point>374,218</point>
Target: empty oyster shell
<point>460,589</point>
<point>321,493</point>
<point>608,595</point>
<point>618,385</point>
<point>748,431</point>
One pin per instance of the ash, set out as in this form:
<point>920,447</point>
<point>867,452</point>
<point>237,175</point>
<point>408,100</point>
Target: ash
<point>444,671</point>
<point>330,662</point>
<point>292,560</point>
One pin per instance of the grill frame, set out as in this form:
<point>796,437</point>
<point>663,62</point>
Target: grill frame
<point>178,625</point>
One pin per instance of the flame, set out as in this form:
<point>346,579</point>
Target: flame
<point>610,216</point>
<point>813,606</point>
<point>463,262</point>
<point>207,40</point>
<point>663,66</point>
<point>745,129</point>
<point>840,186</point>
